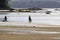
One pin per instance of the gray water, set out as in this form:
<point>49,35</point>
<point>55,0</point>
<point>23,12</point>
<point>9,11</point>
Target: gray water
<point>42,18</point>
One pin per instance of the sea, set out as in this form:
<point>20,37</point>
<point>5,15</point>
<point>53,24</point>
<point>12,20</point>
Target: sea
<point>39,18</point>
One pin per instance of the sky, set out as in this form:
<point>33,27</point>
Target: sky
<point>37,0</point>
<point>37,3</point>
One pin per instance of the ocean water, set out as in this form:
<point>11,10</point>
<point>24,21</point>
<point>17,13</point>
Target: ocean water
<point>31,3</point>
<point>40,18</point>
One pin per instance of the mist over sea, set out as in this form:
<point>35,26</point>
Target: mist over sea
<point>29,4</point>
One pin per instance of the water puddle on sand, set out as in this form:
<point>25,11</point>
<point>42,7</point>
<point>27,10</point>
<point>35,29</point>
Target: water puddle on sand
<point>57,38</point>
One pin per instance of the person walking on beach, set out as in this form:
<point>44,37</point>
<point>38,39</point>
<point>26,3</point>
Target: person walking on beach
<point>30,20</point>
<point>5,19</point>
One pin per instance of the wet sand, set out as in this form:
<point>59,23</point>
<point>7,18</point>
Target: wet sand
<point>24,37</point>
<point>29,33</point>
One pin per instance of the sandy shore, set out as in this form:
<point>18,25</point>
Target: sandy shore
<point>19,24</point>
<point>38,33</point>
<point>23,37</point>
<point>26,31</point>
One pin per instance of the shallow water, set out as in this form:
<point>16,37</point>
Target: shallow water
<point>53,18</point>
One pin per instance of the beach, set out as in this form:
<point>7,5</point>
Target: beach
<point>41,32</point>
<point>32,33</point>
<point>42,27</point>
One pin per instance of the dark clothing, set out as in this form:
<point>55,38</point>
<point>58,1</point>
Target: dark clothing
<point>5,18</point>
<point>30,20</point>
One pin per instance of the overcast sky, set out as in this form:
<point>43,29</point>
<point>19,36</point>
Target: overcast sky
<point>25,0</point>
<point>35,0</point>
<point>38,3</point>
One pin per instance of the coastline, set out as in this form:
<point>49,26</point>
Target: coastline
<point>24,24</point>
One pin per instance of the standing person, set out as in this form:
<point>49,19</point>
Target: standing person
<point>30,20</point>
<point>5,18</point>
